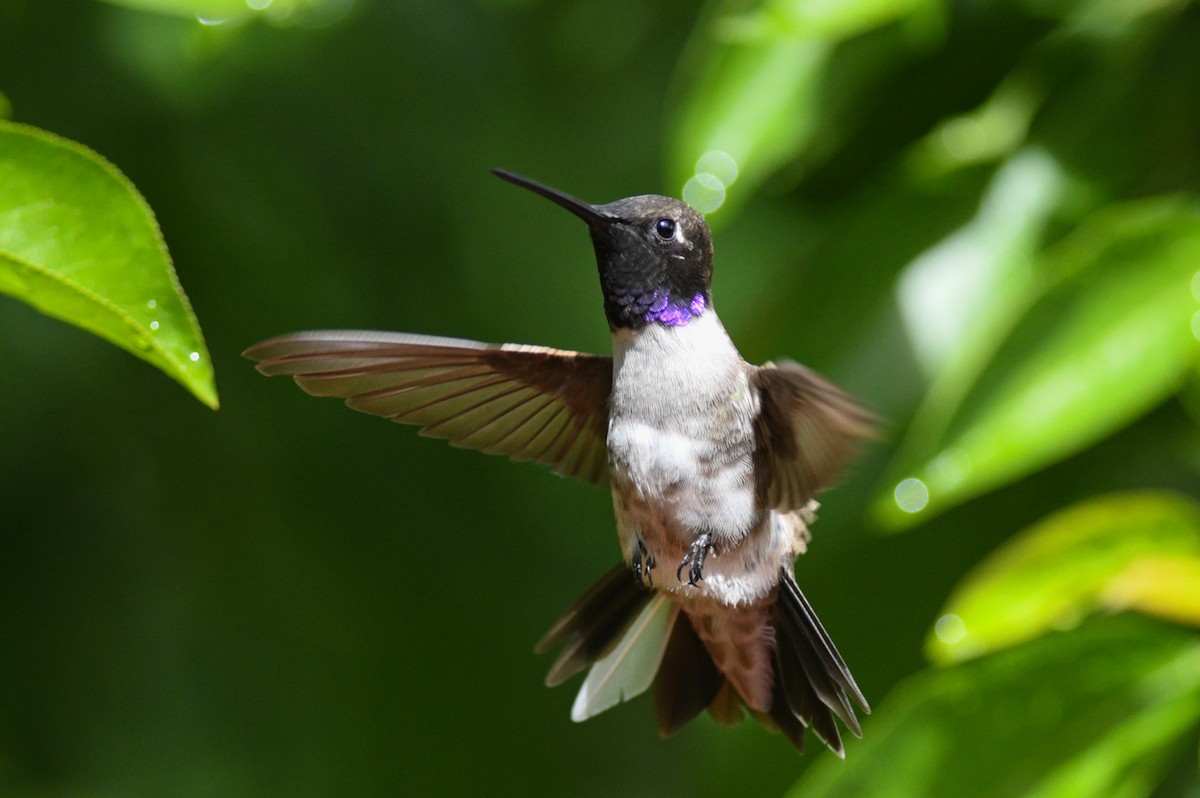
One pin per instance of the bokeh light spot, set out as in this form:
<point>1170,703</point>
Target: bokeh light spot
<point>719,164</point>
<point>912,495</point>
<point>950,629</point>
<point>704,192</point>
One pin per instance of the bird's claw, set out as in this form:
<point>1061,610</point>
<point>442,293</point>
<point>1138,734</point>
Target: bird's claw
<point>643,564</point>
<point>694,559</point>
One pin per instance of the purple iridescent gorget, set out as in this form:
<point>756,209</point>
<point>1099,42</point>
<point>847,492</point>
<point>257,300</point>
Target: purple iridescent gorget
<point>674,314</point>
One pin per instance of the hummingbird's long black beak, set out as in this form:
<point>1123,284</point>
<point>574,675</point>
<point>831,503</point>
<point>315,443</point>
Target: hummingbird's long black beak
<point>586,211</point>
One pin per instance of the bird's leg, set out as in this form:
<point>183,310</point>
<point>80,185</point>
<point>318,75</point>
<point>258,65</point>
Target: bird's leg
<point>643,564</point>
<point>694,559</point>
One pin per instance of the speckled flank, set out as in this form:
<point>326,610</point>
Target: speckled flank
<point>741,642</point>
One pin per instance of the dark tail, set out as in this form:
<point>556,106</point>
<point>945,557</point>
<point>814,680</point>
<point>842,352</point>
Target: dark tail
<point>811,682</point>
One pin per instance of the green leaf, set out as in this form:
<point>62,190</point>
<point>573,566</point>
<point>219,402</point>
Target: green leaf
<point>1097,711</point>
<point>1135,550</point>
<point>753,104</point>
<point>80,244</point>
<point>961,298</point>
<point>1110,337</point>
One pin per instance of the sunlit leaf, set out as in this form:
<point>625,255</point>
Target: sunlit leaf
<point>1166,586</point>
<point>753,107</point>
<point>959,298</point>
<point>1121,550</point>
<point>1111,337</point>
<point>754,100</point>
<point>1096,711</point>
<point>79,243</point>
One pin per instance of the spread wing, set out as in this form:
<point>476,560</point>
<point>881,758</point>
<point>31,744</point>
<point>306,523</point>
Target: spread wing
<point>527,402</point>
<point>807,429</point>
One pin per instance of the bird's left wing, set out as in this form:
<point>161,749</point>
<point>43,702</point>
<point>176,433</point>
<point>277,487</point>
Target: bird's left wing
<point>527,402</point>
<point>806,430</point>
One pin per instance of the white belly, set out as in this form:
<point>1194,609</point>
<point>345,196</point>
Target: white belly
<point>681,446</point>
<point>681,475</point>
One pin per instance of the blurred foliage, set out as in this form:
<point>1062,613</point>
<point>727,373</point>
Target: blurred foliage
<point>79,243</point>
<point>1114,552</point>
<point>982,218</point>
<point>1108,336</point>
<point>1101,711</point>
<point>755,76</point>
<point>222,12</point>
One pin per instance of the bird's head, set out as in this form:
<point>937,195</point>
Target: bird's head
<point>654,255</point>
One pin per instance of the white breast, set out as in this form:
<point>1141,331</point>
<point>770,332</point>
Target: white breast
<point>680,423</point>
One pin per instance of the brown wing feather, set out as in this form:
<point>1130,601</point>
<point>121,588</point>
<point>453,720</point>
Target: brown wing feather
<point>807,429</point>
<point>527,402</point>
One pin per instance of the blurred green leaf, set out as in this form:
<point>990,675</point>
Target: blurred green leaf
<point>755,101</point>
<point>79,243</point>
<point>1122,550</point>
<point>1094,712</point>
<point>960,299</point>
<point>1167,586</point>
<point>1110,336</point>
<point>214,12</point>
<point>994,130</point>
<point>206,9</point>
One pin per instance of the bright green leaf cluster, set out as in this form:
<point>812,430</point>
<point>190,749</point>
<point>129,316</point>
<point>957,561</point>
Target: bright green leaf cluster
<point>1093,713</point>
<point>1064,309</point>
<point>80,244</point>
<point>755,101</point>
<point>1081,341</point>
<point>1118,551</point>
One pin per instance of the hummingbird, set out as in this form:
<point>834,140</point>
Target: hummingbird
<point>713,464</point>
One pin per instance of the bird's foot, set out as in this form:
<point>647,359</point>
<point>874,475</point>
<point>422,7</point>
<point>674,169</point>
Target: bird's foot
<point>643,564</point>
<point>694,559</point>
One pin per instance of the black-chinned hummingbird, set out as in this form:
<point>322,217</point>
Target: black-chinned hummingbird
<point>713,465</point>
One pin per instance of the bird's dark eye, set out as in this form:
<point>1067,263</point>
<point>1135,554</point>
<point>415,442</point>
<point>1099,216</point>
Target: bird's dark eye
<point>665,228</point>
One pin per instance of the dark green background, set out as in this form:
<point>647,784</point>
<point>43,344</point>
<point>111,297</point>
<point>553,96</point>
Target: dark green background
<point>287,598</point>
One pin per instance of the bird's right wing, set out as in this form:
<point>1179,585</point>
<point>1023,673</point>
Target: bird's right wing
<point>806,429</point>
<point>527,402</point>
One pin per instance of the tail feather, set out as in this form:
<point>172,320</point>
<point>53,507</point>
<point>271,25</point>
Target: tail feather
<point>819,638</point>
<point>593,623</point>
<point>687,681</point>
<point>726,706</point>
<point>810,687</point>
<point>795,696</point>
<point>627,669</point>
<point>812,677</point>
<point>595,600</point>
<point>816,674</point>
<point>792,689</point>
<point>784,721</point>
